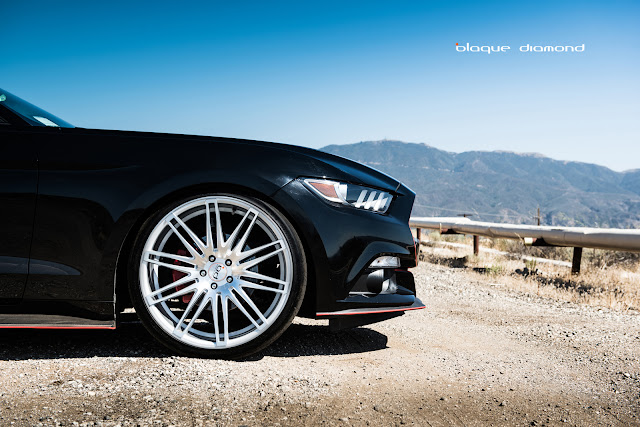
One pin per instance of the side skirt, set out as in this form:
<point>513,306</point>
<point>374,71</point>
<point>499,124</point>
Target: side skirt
<point>58,315</point>
<point>53,327</point>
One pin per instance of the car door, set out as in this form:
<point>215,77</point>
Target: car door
<point>18,188</point>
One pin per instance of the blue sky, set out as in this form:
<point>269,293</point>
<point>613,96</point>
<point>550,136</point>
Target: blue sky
<point>319,73</point>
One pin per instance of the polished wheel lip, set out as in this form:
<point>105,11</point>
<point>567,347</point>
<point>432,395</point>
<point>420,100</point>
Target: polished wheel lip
<point>239,265</point>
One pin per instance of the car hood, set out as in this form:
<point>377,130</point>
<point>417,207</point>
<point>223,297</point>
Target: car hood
<point>320,164</point>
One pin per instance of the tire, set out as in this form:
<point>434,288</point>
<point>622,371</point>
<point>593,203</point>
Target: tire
<point>232,252</point>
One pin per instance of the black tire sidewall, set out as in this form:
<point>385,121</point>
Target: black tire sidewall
<point>275,330</point>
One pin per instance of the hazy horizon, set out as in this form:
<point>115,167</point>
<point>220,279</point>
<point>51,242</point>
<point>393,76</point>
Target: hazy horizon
<point>521,153</point>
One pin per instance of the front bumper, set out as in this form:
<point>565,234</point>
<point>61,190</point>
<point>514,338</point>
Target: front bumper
<point>366,304</point>
<point>341,243</point>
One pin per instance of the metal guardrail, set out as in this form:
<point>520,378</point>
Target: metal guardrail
<point>614,239</point>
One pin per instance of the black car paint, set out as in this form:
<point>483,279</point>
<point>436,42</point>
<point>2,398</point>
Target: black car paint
<point>96,187</point>
<point>18,186</point>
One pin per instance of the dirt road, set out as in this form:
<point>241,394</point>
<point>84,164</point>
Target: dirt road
<point>478,355</point>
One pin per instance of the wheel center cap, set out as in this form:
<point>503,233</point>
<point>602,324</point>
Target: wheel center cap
<point>218,272</point>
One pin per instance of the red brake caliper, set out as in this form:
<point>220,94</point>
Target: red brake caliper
<point>177,275</point>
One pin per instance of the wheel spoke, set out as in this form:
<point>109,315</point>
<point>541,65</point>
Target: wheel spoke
<point>201,306</point>
<point>176,294</point>
<point>250,252</point>
<point>244,311</point>
<point>229,243</point>
<point>257,261</point>
<point>209,233</point>
<point>181,268</point>
<point>250,303</point>
<point>179,258</point>
<point>191,234</point>
<point>225,318</point>
<point>184,241</point>
<point>216,326</point>
<point>192,303</point>
<point>246,284</point>
<point>219,236</point>
<point>259,276</point>
<point>245,236</point>
<point>172,285</point>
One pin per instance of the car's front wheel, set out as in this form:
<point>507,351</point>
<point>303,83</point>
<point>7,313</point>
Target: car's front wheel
<point>219,275</point>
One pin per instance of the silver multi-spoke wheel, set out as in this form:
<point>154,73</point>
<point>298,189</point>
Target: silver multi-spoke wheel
<point>217,272</point>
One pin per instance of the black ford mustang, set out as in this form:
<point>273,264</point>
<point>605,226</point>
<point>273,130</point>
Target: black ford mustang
<point>216,243</point>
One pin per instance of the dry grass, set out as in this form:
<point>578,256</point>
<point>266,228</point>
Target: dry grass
<point>608,279</point>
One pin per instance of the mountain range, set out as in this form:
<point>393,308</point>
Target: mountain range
<point>500,186</point>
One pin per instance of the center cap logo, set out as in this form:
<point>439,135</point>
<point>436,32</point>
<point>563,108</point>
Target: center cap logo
<point>217,272</point>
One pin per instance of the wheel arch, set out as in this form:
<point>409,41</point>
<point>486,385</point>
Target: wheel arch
<point>121,292</point>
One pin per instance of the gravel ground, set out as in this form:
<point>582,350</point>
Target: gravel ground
<point>479,354</point>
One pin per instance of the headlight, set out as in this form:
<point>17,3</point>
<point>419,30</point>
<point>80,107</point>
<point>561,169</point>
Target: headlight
<point>350,194</point>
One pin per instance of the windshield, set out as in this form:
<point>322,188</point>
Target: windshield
<point>30,113</point>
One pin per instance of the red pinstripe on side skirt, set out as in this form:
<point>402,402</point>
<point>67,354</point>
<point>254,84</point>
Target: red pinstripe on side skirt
<point>53,327</point>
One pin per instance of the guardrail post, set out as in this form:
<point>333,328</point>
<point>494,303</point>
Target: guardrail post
<point>419,235</point>
<point>577,259</point>
<point>476,245</point>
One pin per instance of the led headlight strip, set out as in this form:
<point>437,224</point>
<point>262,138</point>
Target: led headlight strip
<point>350,194</point>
